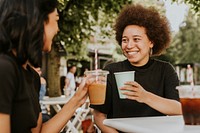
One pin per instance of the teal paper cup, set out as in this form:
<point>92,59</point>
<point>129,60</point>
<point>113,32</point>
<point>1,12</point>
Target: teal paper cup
<point>121,78</point>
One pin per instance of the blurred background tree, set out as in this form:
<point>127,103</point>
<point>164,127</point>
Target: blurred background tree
<point>195,4</point>
<point>77,19</point>
<point>82,19</point>
<point>185,47</point>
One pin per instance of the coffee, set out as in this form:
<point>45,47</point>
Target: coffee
<point>97,93</point>
<point>97,86</point>
<point>190,102</point>
<point>191,110</point>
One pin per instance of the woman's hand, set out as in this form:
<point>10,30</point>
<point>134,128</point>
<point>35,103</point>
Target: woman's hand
<point>134,91</point>
<point>81,93</point>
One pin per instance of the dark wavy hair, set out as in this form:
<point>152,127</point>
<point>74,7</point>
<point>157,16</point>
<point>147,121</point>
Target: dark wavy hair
<point>157,26</point>
<point>46,7</point>
<point>21,29</point>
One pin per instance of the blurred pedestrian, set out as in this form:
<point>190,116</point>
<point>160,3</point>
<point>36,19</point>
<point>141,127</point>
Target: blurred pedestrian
<point>70,83</point>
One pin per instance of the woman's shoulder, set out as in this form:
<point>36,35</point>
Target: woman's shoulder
<point>115,65</point>
<point>162,62</point>
<point>9,71</point>
<point>167,66</point>
<point>7,63</point>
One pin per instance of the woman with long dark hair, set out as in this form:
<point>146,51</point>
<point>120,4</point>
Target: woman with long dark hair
<point>26,28</point>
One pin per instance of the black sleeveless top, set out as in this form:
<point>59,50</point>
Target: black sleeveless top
<point>19,94</point>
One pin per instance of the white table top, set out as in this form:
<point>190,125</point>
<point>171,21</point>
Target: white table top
<point>55,100</point>
<point>161,124</point>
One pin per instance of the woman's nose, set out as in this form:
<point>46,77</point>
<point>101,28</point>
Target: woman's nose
<point>130,44</point>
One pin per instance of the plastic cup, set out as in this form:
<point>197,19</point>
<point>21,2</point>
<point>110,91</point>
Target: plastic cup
<point>121,78</point>
<point>190,102</point>
<point>97,89</point>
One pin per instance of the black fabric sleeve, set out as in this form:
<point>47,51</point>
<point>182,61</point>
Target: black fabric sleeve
<point>8,83</point>
<point>37,85</point>
<point>171,82</point>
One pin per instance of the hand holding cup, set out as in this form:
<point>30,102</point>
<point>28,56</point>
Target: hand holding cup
<point>121,79</point>
<point>97,86</point>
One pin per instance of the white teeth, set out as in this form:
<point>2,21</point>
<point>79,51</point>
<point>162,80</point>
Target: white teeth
<point>132,53</point>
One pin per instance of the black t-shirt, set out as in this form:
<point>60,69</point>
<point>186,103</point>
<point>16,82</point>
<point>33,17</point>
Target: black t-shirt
<point>156,76</point>
<point>19,94</point>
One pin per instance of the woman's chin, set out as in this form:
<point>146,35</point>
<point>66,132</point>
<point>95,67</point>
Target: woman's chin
<point>46,50</point>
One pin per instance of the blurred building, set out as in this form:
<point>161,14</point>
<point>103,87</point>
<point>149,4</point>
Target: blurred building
<point>188,73</point>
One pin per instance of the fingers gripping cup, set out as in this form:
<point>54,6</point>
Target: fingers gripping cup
<point>190,101</point>
<point>121,78</point>
<point>97,87</point>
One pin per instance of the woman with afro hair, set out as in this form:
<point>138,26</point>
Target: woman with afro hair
<point>142,33</point>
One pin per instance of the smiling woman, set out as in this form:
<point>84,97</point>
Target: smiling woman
<point>142,33</point>
<point>50,16</point>
<point>51,29</point>
<point>135,42</point>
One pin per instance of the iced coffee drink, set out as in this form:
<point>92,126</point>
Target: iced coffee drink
<point>97,93</point>
<point>97,88</point>
<point>191,110</point>
<point>190,102</point>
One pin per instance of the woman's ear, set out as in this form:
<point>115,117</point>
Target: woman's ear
<point>151,44</point>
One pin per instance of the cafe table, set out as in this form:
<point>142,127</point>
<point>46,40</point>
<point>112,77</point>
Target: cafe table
<point>79,115</point>
<point>56,102</point>
<point>159,124</point>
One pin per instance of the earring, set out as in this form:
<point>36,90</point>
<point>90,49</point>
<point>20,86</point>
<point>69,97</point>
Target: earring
<point>151,51</point>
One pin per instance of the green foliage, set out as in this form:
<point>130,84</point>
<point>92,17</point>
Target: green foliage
<point>185,46</point>
<point>77,19</point>
<point>81,19</point>
<point>195,4</point>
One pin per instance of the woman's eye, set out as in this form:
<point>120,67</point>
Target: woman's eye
<point>124,40</point>
<point>136,39</point>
